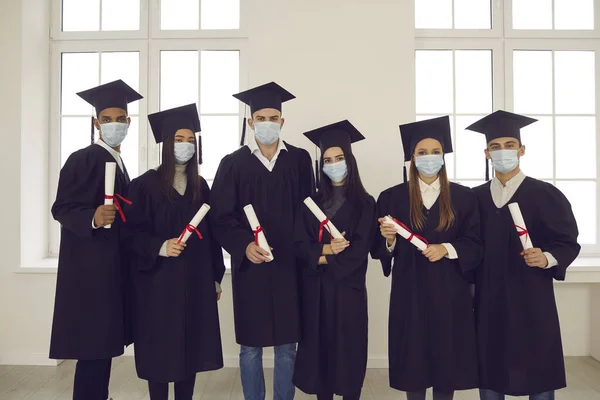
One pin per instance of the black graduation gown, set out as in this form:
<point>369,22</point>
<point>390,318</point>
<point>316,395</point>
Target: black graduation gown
<point>332,354</point>
<point>89,306</point>
<point>175,318</point>
<point>520,349</point>
<point>431,322</point>
<point>265,296</point>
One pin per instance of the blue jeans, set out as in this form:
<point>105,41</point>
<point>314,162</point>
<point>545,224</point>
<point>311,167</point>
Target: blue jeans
<point>253,379</point>
<point>485,394</point>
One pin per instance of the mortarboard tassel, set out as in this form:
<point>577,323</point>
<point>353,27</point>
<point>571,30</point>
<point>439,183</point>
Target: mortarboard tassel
<point>244,128</point>
<point>487,170</point>
<point>92,130</point>
<point>404,173</point>
<point>317,173</point>
<point>200,149</point>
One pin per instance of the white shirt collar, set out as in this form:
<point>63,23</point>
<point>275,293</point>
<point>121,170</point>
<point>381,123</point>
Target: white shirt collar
<point>253,146</point>
<point>513,183</point>
<point>116,155</point>
<point>435,186</point>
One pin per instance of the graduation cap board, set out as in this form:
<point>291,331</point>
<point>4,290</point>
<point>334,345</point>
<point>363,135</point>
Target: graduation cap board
<point>500,124</point>
<point>269,95</point>
<point>166,123</point>
<point>116,94</point>
<point>434,128</point>
<point>340,134</point>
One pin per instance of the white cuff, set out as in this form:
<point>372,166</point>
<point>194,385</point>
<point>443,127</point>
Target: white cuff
<point>551,260</point>
<point>163,249</point>
<point>452,254</point>
<point>218,287</point>
<point>94,225</point>
<point>390,248</point>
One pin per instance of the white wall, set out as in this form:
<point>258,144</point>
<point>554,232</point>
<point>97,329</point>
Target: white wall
<point>342,59</point>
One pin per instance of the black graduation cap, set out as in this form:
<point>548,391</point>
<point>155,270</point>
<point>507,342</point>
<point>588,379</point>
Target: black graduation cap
<point>500,124</point>
<point>434,128</point>
<point>114,94</point>
<point>340,134</point>
<point>166,123</point>
<point>269,95</point>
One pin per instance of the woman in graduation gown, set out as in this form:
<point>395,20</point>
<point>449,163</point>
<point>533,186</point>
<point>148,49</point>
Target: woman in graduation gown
<point>431,322</point>
<point>332,355</point>
<point>175,323</point>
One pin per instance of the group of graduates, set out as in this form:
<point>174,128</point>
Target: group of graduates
<point>125,277</point>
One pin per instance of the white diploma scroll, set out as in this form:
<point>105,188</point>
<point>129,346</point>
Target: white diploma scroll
<point>109,185</point>
<point>258,231</point>
<point>193,225</point>
<point>320,215</point>
<point>406,234</point>
<point>515,212</point>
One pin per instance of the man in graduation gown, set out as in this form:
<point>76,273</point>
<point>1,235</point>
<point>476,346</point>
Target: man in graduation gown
<point>274,177</point>
<point>520,349</point>
<point>89,323</point>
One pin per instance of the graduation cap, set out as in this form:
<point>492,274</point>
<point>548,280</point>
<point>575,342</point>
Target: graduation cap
<point>435,128</point>
<point>269,95</point>
<point>340,134</point>
<point>500,124</point>
<point>115,94</point>
<point>166,123</point>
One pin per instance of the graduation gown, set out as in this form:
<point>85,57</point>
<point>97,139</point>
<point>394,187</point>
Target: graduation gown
<point>332,354</point>
<point>431,321</point>
<point>175,318</point>
<point>89,306</point>
<point>265,296</point>
<point>520,350</point>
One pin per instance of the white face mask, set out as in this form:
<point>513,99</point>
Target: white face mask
<point>337,172</point>
<point>267,132</point>
<point>184,152</point>
<point>505,161</point>
<point>429,165</point>
<point>113,133</point>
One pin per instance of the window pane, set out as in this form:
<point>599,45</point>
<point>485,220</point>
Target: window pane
<point>539,154</point>
<point>179,14</point>
<point>472,14</point>
<point>79,72</point>
<point>433,14</point>
<point>582,196</point>
<point>533,82</point>
<point>80,15</point>
<point>130,148</point>
<point>575,141</point>
<point>120,15</point>
<point>469,150</point>
<point>434,81</point>
<point>125,66</point>
<point>178,78</point>
<point>220,136</point>
<point>574,82</point>
<point>219,77</point>
<point>473,81</point>
<point>220,14</point>
<point>532,14</point>
<point>74,135</point>
<point>574,14</point>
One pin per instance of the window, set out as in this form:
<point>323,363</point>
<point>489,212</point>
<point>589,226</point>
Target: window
<point>524,56</point>
<point>174,52</point>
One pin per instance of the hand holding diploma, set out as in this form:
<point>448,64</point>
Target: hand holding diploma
<point>515,212</point>
<point>258,251</point>
<point>323,220</point>
<point>192,227</point>
<point>402,230</point>
<point>110,172</point>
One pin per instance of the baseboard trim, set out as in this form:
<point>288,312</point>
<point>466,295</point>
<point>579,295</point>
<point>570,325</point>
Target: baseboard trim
<point>37,359</point>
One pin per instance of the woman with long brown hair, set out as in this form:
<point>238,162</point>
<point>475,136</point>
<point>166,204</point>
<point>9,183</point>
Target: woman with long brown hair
<point>431,322</point>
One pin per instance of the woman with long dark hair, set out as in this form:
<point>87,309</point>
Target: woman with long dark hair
<point>431,322</point>
<point>332,354</point>
<point>175,285</point>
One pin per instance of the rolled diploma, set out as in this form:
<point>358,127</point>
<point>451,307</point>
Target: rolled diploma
<point>262,239</point>
<point>515,212</point>
<point>406,234</point>
<point>314,208</point>
<point>109,185</point>
<point>194,222</point>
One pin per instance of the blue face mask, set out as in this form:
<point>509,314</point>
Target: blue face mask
<point>505,161</point>
<point>184,152</point>
<point>430,165</point>
<point>337,172</point>
<point>113,133</point>
<point>267,132</point>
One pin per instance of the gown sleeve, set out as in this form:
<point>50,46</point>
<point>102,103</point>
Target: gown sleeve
<point>379,246</point>
<point>218,264</point>
<point>307,249</point>
<point>468,244</point>
<point>353,257</point>
<point>75,206</point>
<point>559,230</point>
<point>226,214</point>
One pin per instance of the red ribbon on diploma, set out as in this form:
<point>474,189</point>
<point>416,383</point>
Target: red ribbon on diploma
<point>412,234</point>
<point>116,198</point>
<point>323,224</point>
<point>190,228</point>
<point>258,230</point>
<point>522,231</point>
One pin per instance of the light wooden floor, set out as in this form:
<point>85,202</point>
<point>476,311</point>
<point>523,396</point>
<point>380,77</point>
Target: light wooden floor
<point>55,383</point>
